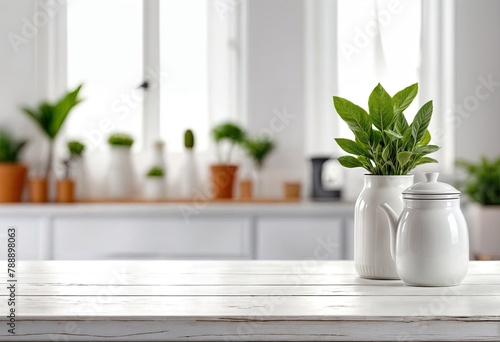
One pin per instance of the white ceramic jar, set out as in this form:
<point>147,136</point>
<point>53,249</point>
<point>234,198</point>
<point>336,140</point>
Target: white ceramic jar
<point>430,239</point>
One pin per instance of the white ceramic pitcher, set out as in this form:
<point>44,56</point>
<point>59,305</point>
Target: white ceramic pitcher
<point>430,239</point>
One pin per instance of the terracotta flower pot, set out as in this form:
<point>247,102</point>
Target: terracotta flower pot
<point>12,180</point>
<point>38,190</point>
<point>246,188</point>
<point>222,177</point>
<point>65,190</point>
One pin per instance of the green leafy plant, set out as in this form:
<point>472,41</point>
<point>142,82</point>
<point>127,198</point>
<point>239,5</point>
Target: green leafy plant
<point>121,139</point>
<point>483,180</point>
<point>230,133</point>
<point>10,148</point>
<point>385,144</point>
<point>75,151</point>
<point>258,149</point>
<point>189,139</point>
<point>155,172</point>
<point>76,148</point>
<point>51,116</point>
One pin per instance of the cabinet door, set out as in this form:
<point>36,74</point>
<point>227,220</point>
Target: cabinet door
<point>299,239</point>
<point>26,237</point>
<point>150,238</point>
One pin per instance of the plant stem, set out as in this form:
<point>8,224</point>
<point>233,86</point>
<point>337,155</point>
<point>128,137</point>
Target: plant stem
<point>49,161</point>
<point>229,153</point>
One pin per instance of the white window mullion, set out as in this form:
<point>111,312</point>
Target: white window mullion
<point>152,72</point>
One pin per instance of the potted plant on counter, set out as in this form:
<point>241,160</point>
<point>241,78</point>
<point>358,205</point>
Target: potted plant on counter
<point>154,186</point>
<point>388,147</point>
<point>223,173</point>
<point>189,180</point>
<point>66,184</point>
<point>50,117</point>
<point>12,172</point>
<point>258,150</point>
<point>482,187</point>
<point>120,174</point>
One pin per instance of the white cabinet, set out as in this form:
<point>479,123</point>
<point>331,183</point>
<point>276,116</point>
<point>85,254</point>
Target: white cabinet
<point>150,238</point>
<point>299,238</point>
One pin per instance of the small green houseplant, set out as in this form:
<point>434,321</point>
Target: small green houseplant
<point>223,174</point>
<point>189,139</point>
<point>75,151</point>
<point>50,117</point>
<point>120,181</point>
<point>482,186</point>
<point>154,185</point>
<point>258,150</point>
<point>120,139</point>
<point>190,179</point>
<point>12,172</point>
<point>388,147</point>
<point>230,133</point>
<point>66,185</point>
<point>155,171</point>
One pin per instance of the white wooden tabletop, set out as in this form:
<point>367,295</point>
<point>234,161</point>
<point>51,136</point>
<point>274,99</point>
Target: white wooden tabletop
<point>243,301</point>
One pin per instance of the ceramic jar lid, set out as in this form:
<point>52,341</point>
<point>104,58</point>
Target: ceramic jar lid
<point>431,189</point>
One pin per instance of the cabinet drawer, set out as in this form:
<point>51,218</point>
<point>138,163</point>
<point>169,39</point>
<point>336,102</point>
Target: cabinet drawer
<point>299,239</point>
<point>150,238</point>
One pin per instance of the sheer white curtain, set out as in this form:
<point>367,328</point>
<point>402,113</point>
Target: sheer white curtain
<point>353,45</point>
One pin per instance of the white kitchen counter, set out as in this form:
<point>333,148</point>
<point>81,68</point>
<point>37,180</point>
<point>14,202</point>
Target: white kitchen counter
<point>244,301</point>
<point>178,209</point>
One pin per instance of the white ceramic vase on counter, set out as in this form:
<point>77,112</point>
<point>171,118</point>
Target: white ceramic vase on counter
<point>372,251</point>
<point>120,177</point>
<point>189,178</point>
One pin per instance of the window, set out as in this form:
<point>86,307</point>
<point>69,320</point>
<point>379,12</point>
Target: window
<point>396,43</point>
<point>108,59</point>
<point>185,52</point>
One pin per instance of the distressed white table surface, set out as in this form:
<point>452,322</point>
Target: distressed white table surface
<point>243,301</point>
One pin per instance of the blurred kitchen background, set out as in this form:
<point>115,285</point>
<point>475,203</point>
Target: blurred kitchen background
<point>153,69</point>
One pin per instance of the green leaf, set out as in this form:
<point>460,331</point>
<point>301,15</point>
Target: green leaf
<point>386,153</point>
<point>421,122</point>
<point>356,118</point>
<point>375,138</point>
<point>349,162</point>
<point>403,158</point>
<point>401,125</point>
<point>402,99</point>
<point>426,139</point>
<point>425,160</point>
<point>351,147</point>
<point>393,135</point>
<point>380,106</point>
<point>62,109</point>
<point>427,149</point>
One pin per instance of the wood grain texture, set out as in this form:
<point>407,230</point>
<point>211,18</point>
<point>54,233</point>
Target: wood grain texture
<point>244,301</point>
